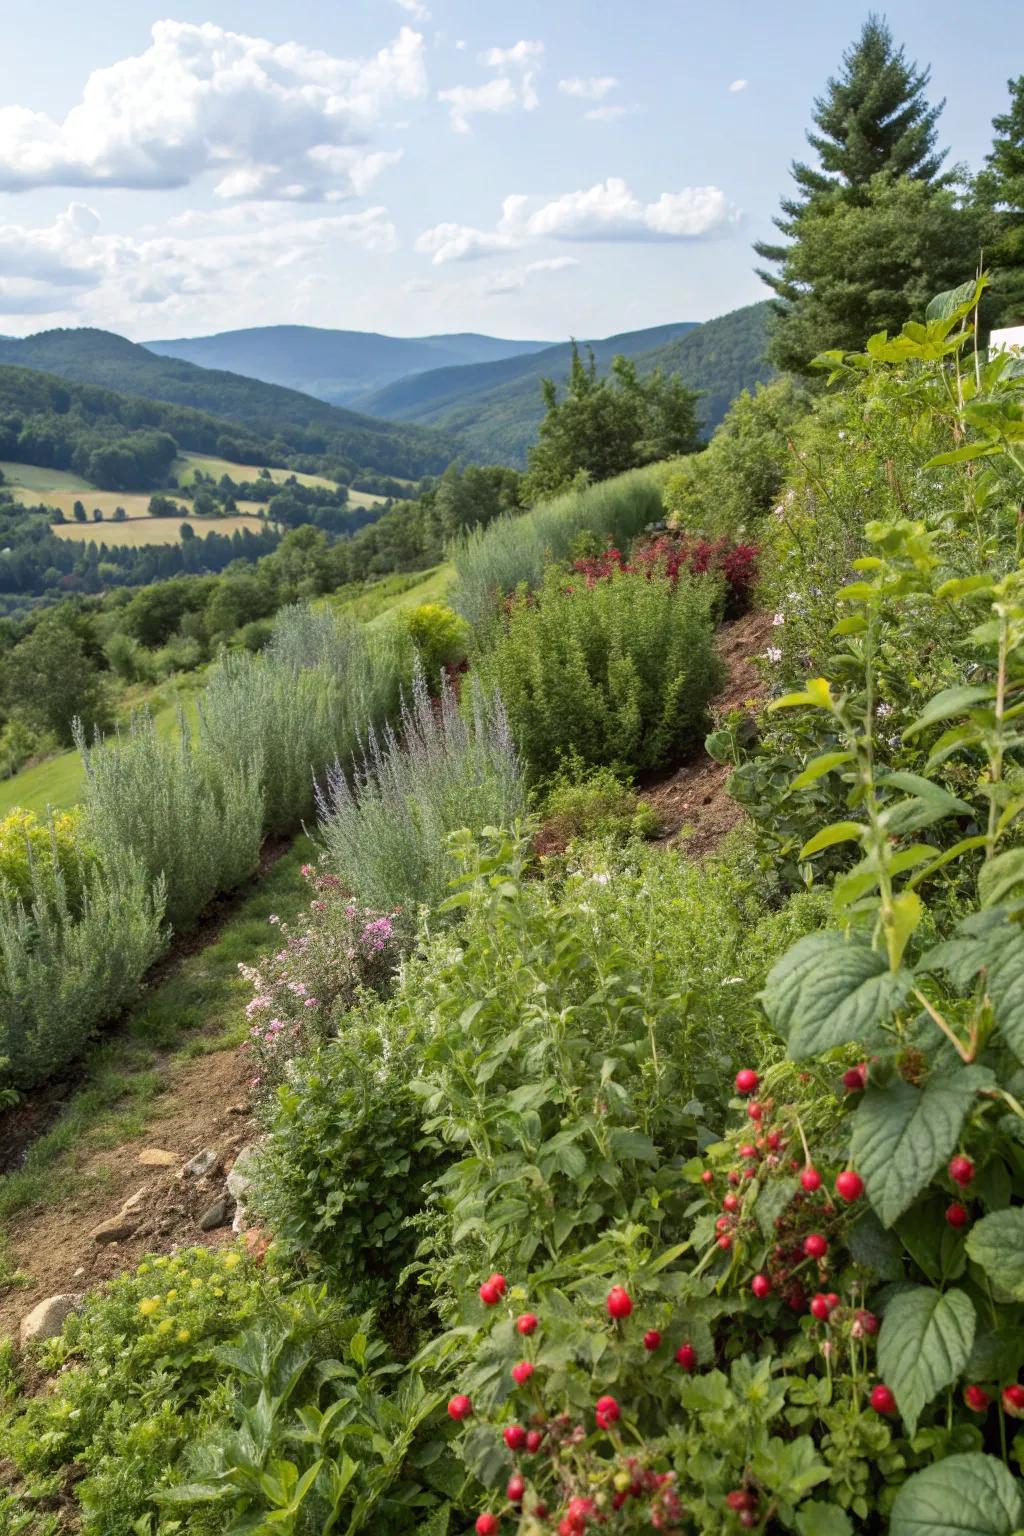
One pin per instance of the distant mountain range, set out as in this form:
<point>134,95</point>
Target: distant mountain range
<point>337,365</point>
<point>296,423</point>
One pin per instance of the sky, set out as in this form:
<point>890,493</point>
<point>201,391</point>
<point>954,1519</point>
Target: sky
<point>531,169</point>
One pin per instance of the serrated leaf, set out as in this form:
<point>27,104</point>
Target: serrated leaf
<point>902,1135</point>
<point>996,1242</point>
<point>875,1248</point>
<point>1004,982</point>
<point>924,1344</point>
<point>828,990</point>
<point>970,1495</point>
<point>1002,878</point>
<point>816,1519</point>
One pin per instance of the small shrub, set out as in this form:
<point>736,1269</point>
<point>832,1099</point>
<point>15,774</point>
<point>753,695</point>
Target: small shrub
<point>440,637</point>
<point>593,804</point>
<point>385,833</point>
<point>667,555</point>
<point>192,818</point>
<point>64,972</point>
<point>335,951</point>
<point>619,673</point>
<point>33,852</point>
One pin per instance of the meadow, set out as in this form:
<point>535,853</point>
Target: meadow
<point>184,469</point>
<point>139,529</point>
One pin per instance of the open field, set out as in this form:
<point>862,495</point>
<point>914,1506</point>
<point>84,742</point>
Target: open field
<point>155,530</point>
<point>364,499</point>
<point>31,477</point>
<point>184,468</point>
<point>135,503</point>
<point>372,600</point>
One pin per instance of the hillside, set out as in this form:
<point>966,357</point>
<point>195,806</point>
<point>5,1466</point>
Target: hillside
<point>494,409</point>
<point>336,365</point>
<point>288,422</point>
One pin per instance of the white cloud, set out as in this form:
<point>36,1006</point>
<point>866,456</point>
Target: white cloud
<point>608,114</point>
<point>416,9</point>
<point>589,87</point>
<point>607,211</point>
<point>72,267</point>
<point>739,85</point>
<point>552,264</point>
<point>517,278</point>
<point>515,85</point>
<point>272,120</point>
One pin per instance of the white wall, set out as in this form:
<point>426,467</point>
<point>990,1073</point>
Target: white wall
<point>1010,336</point>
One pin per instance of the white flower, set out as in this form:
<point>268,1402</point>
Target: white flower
<point>842,437</point>
<point>773,654</point>
<point>884,711</point>
<point>602,877</point>
<point>779,618</point>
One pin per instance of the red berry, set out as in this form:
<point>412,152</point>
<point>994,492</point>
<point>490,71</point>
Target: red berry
<point>734,1177</point>
<point>707,1177</point>
<point>739,1498</point>
<point>976,1399</point>
<point>619,1302</point>
<point>499,1283</point>
<point>487,1525</point>
<point>527,1323</point>
<point>882,1400</point>
<point>540,1510</point>
<point>748,1519</point>
<point>515,1437</point>
<point>652,1338</point>
<point>961,1170</point>
<point>515,1489</point>
<point>725,1242</point>
<point>810,1179</point>
<point>815,1246</point>
<point>1013,1400</point>
<point>489,1295</point>
<point>755,1110</point>
<point>749,1173</point>
<point>731,1203</point>
<point>849,1186</point>
<point>957,1215</point>
<point>746,1150</point>
<point>608,1408</point>
<point>760,1285</point>
<point>533,1440</point>
<point>855,1079</point>
<point>686,1356</point>
<point>775,1140</point>
<point>722,1223</point>
<point>832,1299</point>
<point>820,1308</point>
<point>522,1372</point>
<point>460,1407</point>
<point>746,1081</point>
<point>867,1322</point>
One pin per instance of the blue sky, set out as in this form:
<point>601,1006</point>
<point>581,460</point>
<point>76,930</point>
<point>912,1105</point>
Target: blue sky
<point>528,169</point>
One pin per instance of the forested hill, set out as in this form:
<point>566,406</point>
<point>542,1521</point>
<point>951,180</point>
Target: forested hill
<point>494,409</point>
<point>287,422</point>
<point>336,365</point>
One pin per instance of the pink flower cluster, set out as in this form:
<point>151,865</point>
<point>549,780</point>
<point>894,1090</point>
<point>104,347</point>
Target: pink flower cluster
<point>667,555</point>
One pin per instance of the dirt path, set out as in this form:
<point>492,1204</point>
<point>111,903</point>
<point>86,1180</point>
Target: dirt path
<point>695,811</point>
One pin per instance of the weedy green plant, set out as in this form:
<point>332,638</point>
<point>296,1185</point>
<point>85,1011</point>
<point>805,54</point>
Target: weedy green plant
<point>301,704</point>
<point>32,853</point>
<point>67,969</point>
<point>440,636</point>
<point>616,674</point>
<point>193,819</point>
<point>385,828</point>
<point>596,803</point>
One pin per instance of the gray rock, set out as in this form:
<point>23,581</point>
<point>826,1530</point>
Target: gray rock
<point>215,1215</point>
<point>47,1319</point>
<point>204,1163</point>
<point>238,1180</point>
<point>125,1224</point>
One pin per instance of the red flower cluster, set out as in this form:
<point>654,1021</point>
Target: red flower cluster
<point>668,555</point>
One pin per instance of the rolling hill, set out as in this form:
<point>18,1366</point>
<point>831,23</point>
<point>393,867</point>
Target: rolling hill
<point>494,409</point>
<point>287,423</point>
<point>333,365</point>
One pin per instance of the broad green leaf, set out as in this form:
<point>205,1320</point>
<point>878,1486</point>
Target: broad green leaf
<point>1004,982</point>
<point>947,704</point>
<point>956,303</point>
<point>836,832</point>
<point>819,766</point>
<point>818,694</point>
<point>964,586</point>
<point>924,1344</point>
<point>1002,879</point>
<point>875,1248</point>
<point>996,1242</point>
<point>907,912</point>
<point>970,1495</point>
<point>816,1519</point>
<point>828,990</point>
<point>903,1135</point>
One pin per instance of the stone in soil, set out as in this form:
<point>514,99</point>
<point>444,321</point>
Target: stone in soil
<point>47,1319</point>
<point>202,1165</point>
<point>156,1157</point>
<point>125,1224</point>
<point>215,1215</point>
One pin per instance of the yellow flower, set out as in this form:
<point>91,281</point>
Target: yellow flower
<point>165,1326</point>
<point>232,1260</point>
<point>143,1269</point>
<point>160,1263</point>
<point>148,1305</point>
<point>183,1335</point>
<point>218,1290</point>
<point>197,1285</point>
<point>172,1293</point>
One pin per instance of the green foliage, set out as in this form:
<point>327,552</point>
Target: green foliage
<point>385,827</point>
<point>605,426</point>
<point>68,967</point>
<point>34,855</point>
<point>491,563</point>
<point>595,803</point>
<point>49,681</point>
<point>439,635</point>
<point>1000,191</point>
<point>192,818</point>
<point>617,674</point>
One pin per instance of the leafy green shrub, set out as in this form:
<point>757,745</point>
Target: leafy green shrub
<point>193,819</point>
<point>440,637</point>
<point>617,674</point>
<point>592,803</point>
<point>65,970</point>
<point>385,833</point>
<point>346,1163</point>
<point>492,562</point>
<point>301,704</point>
<point>32,853</point>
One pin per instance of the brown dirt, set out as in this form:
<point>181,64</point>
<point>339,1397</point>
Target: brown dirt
<point>206,1105</point>
<point>696,813</point>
